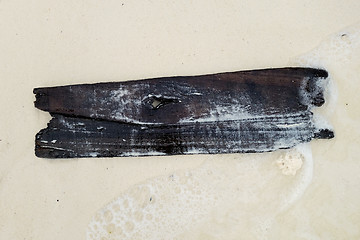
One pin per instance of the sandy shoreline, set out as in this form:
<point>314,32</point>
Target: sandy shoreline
<point>51,43</point>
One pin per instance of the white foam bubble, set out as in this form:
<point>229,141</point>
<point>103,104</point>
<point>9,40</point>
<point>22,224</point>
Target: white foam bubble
<point>157,209</point>
<point>172,207</point>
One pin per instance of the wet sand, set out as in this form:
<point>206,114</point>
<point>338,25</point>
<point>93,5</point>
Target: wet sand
<point>228,196</point>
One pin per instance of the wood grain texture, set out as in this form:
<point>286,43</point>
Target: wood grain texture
<point>247,111</point>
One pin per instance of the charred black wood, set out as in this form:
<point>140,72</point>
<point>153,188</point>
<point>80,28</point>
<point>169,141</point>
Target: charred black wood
<point>247,111</point>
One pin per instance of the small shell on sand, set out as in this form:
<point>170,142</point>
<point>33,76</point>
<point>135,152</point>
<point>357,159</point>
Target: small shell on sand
<point>290,162</point>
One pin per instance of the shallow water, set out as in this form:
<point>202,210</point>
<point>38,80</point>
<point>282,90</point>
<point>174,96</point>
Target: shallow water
<point>224,195</point>
<point>237,196</point>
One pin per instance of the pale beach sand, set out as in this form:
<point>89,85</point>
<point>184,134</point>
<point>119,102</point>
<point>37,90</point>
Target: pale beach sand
<point>233,196</point>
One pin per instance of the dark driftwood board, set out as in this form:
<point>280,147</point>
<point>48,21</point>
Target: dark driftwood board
<point>246,111</point>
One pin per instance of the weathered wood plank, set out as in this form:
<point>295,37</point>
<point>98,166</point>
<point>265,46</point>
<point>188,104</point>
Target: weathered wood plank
<point>223,96</point>
<point>249,111</point>
<point>68,137</point>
